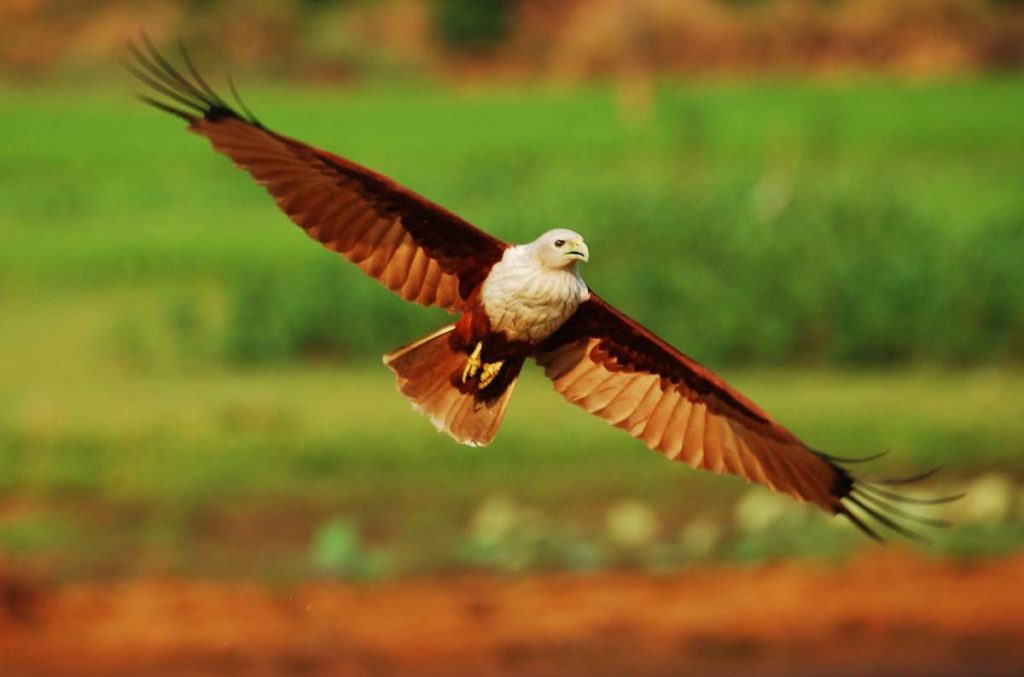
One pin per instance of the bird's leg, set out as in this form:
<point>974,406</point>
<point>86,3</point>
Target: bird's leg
<point>489,373</point>
<point>473,364</point>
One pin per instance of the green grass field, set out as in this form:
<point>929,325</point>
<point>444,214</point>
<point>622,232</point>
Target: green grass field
<point>168,401</point>
<point>822,224</point>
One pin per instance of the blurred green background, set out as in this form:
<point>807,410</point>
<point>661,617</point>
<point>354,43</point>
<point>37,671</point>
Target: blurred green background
<point>188,385</point>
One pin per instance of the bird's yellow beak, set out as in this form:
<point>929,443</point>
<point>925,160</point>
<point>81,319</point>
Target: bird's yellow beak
<point>579,251</point>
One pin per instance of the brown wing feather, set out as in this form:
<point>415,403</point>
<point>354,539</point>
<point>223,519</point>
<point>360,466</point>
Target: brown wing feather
<point>419,250</point>
<point>613,367</point>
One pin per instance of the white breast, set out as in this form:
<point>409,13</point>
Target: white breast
<point>527,301</point>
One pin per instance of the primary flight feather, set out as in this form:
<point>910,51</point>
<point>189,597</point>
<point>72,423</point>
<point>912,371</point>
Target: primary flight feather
<point>515,302</point>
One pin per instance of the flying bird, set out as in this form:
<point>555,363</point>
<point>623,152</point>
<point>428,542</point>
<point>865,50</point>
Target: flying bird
<point>517,302</point>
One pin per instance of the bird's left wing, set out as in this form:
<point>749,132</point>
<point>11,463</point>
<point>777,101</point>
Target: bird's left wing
<point>419,250</point>
<point>607,363</point>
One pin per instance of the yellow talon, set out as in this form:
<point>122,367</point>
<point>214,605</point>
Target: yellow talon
<point>489,373</point>
<point>473,364</point>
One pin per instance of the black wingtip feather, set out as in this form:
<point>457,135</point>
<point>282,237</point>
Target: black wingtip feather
<point>861,500</point>
<point>896,511</point>
<point>172,91</point>
<point>911,479</point>
<point>859,523</point>
<point>164,90</point>
<point>888,522</point>
<point>241,104</point>
<point>194,72</point>
<point>187,117</point>
<point>910,500</point>
<point>847,461</point>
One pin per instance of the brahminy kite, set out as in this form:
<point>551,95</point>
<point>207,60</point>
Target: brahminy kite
<point>516,302</point>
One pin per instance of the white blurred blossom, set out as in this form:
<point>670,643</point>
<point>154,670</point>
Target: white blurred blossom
<point>760,509</point>
<point>699,537</point>
<point>496,520</point>
<point>989,499</point>
<point>631,524</point>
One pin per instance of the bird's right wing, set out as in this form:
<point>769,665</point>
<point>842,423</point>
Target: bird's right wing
<point>419,250</point>
<point>613,367</point>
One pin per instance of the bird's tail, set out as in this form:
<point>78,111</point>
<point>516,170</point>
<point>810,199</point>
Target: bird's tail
<point>429,372</point>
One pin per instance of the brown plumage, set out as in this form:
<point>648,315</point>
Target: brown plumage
<point>415,248</point>
<point>608,364</point>
<point>463,375</point>
<point>428,374</point>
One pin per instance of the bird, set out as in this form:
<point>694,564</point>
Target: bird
<point>519,302</point>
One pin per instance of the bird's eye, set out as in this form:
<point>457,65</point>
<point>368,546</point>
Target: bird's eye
<point>559,243</point>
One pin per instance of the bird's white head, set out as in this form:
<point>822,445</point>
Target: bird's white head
<point>560,248</point>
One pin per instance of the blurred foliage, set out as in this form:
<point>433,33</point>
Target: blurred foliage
<point>338,550</point>
<point>473,25</point>
<point>391,39</point>
<point>325,471</point>
<point>870,284</point>
<point>316,312</point>
<point>830,247</point>
<point>849,225</point>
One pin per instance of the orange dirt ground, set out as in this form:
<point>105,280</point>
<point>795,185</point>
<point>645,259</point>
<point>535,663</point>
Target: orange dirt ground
<point>885,613</point>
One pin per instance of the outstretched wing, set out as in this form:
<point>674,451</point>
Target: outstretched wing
<point>611,366</point>
<point>419,250</point>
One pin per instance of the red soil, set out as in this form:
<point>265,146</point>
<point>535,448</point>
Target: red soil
<point>888,613</point>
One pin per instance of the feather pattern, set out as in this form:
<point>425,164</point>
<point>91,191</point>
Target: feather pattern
<point>611,366</point>
<point>528,301</point>
<point>386,229</point>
